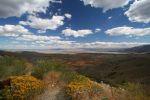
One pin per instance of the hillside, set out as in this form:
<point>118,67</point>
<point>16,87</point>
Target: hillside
<point>98,66</point>
<point>110,71</point>
<point>138,49</point>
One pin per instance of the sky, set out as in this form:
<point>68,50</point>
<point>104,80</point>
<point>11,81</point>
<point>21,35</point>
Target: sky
<point>73,24</point>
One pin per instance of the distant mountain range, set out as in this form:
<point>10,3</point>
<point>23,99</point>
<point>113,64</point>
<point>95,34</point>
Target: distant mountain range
<point>138,49</point>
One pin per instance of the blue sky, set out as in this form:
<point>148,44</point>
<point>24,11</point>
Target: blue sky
<point>73,24</point>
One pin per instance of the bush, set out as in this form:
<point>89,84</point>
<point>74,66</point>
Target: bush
<point>82,88</point>
<point>135,91</point>
<point>11,66</point>
<point>43,67</point>
<point>72,77</point>
<point>22,88</point>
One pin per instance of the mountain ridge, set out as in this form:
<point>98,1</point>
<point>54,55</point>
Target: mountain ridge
<point>138,49</point>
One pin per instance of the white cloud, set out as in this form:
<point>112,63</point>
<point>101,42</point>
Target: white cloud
<point>44,24</point>
<point>56,43</point>
<point>139,11</point>
<point>56,1</point>
<point>68,16</point>
<point>9,8</point>
<point>100,44</point>
<point>45,42</point>
<point>110,17</point>
<point>38,38</point>
<point>97,30</point>
<point>41,31</point>
<point>70,45</point>
<point>13,30</point>
<point>106,4</point>
<point>76,33</point>
<point>129,31</point>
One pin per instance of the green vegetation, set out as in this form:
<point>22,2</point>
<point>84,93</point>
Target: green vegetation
<point>43,67</point>
<point>136,92</point>
<point>81,88</point>
<point>22,88</point>
<point>10,66</point>
<point>72,74</point>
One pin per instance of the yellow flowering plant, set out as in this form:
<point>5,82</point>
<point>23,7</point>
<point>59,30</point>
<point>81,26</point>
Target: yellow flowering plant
<point>22,88</point>
<point>84,88</point>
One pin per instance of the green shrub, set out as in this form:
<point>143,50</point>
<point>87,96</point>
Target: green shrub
<point>82,88</point>
<point>10,66</point>
<point>69,76</point>
<point>135,91</point>
<point>43,67</point>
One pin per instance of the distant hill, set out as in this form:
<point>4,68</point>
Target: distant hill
<point>138,49</point>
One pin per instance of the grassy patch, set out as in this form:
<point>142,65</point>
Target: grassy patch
<point>43,67</point>
<point>135,91</point>
<point>10,66</point>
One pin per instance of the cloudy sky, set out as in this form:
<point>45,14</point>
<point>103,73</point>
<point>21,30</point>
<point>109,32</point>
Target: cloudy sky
<point>73,24</point>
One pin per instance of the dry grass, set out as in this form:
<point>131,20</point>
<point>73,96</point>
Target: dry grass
<point>135,92</point>
<point>53,87</point>
<point>53,79</point>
